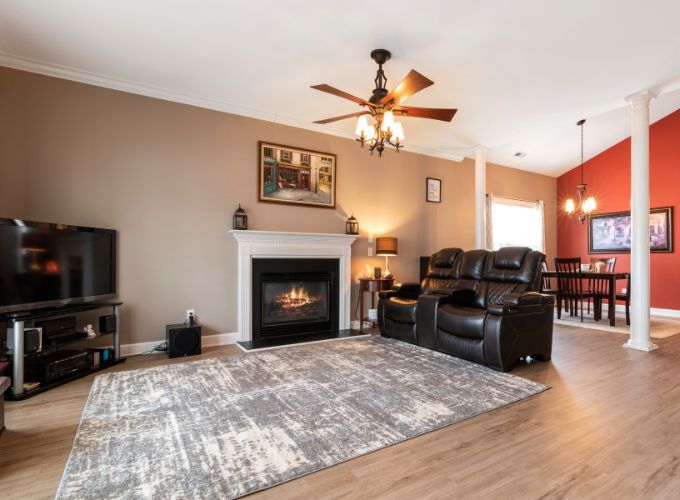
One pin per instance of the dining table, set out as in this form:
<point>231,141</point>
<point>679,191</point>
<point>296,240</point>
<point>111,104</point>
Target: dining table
<point>612,277</point>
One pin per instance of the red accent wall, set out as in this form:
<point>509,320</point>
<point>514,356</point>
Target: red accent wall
<point>608,179</point>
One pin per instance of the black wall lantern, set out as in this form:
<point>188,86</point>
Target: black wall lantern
<point>240,218</point>
<point>352,226</point>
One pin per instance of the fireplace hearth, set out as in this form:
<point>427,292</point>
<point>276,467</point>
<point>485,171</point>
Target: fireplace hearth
<point>293,297</point>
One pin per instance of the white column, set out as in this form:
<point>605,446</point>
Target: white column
<point>639,207</point>
<point>480,198</point>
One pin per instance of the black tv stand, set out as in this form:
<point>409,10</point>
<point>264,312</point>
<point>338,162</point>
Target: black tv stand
<point>18,320</point>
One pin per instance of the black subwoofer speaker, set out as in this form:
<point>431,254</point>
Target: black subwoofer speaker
<point>183,340</point>
<point>107,324</point>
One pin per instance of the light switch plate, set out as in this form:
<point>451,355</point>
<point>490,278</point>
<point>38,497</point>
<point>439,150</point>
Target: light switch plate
<point>370,251</point>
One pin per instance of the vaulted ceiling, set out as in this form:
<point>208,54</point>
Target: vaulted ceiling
<point>521,73</point>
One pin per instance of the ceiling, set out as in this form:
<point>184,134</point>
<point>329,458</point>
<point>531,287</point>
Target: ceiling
<point>521,73</point>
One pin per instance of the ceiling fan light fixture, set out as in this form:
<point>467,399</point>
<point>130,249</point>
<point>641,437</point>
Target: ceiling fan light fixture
<point>387,122</point>
<point>398,133</point>
<point>362,126</point>
<point>384,131</point>
<point>370,133</point>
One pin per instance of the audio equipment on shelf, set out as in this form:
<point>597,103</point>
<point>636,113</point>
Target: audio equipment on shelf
<point>58,330</point>
<point>183,340</point>
<point>32,339</point>
<point>49,367</point>
<point>107,324</point>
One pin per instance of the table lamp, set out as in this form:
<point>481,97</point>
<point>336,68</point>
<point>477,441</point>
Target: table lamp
<point>387,247</point>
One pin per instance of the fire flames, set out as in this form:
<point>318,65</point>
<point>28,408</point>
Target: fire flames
<point>296,298</point>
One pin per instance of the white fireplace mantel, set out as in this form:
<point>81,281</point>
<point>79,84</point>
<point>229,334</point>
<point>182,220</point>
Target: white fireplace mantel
<point>287,245</point>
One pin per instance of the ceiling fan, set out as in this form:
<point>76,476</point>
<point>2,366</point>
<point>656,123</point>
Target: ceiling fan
<point>383,105</point>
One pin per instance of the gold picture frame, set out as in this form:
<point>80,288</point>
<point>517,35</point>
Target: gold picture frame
<point>296,176</point>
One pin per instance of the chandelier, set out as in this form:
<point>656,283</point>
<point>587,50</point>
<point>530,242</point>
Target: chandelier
<point>585,205</point>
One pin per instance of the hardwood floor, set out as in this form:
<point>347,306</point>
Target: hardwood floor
<point>608,428</point>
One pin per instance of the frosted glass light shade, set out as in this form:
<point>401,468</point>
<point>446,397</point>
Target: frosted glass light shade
<point>398,132</point>
<point>370,132</point>
<point>589,205</point>
<point>362,125</point>
<point>387,121</point>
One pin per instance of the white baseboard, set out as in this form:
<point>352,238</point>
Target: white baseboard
<point>654,311</point>
<point>670,313</point>
<point>207,341</point>
<point>220,339</point>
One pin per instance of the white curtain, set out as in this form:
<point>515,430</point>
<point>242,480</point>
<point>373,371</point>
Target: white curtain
<point>511,222</point>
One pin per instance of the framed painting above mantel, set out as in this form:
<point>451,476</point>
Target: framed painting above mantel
<point>611,232</point>
<point>295,176</point>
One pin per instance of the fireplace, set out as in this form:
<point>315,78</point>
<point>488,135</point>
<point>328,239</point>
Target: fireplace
<point>293,297</point>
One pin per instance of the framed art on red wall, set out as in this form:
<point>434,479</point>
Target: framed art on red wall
<point>611,232</point>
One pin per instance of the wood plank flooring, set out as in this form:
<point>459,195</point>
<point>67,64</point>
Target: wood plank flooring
<point>608,428</point>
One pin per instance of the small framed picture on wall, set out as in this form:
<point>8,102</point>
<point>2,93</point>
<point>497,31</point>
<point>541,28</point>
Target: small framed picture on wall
<point>433,190</point>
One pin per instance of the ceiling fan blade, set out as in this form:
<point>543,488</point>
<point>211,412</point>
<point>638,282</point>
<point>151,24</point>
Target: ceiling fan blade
<point>337,118</point>
<point>445,115</point>
<point>414,82</point>
<point>332,90</point>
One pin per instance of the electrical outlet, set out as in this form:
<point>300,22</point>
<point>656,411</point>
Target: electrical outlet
<point>373,314</point>
<point>190,313</point>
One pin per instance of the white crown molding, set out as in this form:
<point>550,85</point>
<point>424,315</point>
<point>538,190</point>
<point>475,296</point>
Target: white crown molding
<point>96,79</point>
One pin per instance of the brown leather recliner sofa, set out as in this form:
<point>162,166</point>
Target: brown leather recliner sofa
<point>478,305</point>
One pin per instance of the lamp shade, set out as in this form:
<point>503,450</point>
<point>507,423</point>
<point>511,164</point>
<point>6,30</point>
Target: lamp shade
<point>386,246</point>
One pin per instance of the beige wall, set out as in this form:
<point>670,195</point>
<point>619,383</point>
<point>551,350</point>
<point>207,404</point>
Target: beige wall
<point>12,147</point>
<point>168,177</point>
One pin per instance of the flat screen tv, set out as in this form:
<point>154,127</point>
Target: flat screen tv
<point>46,265</point>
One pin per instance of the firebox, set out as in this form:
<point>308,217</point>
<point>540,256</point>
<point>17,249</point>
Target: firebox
<point>293,297</point>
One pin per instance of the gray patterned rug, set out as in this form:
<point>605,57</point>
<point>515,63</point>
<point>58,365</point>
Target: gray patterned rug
<point>226,427</point>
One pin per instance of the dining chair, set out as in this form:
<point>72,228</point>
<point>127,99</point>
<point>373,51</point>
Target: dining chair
<point>546,285</point>
<point>600,286</point>
<point>570,285</point>
<point>624,297</point>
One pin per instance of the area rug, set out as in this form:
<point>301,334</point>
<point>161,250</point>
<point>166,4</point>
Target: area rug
<point>226,427</point>
<point>660,327</point>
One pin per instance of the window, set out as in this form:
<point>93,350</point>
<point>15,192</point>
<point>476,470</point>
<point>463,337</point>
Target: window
<point>515,223</point>
<point>286,156</point>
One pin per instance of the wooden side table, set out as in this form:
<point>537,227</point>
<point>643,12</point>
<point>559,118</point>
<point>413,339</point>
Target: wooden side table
<point>373,286</point>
